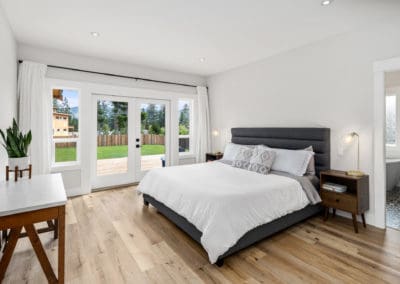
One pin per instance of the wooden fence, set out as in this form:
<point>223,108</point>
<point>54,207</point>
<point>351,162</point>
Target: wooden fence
<point>122,139</point>
<point>112,140</point>
<point>116,140</point>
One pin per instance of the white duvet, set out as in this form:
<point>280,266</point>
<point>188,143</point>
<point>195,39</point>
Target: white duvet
<point>223,202</point>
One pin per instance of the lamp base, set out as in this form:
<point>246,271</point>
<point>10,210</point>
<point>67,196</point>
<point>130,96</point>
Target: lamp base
<point>355,173</point>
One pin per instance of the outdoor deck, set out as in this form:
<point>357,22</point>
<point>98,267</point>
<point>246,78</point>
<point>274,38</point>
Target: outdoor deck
<point>120,165</point>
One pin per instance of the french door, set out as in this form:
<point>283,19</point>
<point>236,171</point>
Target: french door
<point>131,137</point>
<point>152,144</point>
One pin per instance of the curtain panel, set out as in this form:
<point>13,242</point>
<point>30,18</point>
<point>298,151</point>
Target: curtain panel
<point>203,137</point>
<point>34,113</point>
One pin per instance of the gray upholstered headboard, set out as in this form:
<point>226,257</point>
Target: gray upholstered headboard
<point>289,138</point>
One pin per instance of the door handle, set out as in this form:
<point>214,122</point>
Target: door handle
<point>137,146</point>
<point>137,139</point>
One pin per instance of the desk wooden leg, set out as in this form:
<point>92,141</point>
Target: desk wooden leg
<point>61,243</point>
<point>40,253</point>
<point>9,250</point>
<point>56,229</point>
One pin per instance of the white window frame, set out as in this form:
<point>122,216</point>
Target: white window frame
<point>77,140</point>
<point>191,128</point>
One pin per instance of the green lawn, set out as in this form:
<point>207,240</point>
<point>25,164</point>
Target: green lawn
<point>108,152</point>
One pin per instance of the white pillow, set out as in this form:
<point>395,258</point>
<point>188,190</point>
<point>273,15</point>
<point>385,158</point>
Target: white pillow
<point>291,161</point>
<point>231,150</point>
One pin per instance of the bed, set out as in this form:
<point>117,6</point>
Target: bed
<point>288,138</point>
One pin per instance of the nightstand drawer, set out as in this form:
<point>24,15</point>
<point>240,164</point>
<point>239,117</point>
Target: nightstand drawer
<point>340,201</point>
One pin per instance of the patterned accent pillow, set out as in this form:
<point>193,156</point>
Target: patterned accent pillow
<point>262,160</point>
<point>242,158</point>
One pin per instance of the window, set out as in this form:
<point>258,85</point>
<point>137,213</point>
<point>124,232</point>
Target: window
<point>65,126</point>
<point>185,126</point>
<point>391,121</point>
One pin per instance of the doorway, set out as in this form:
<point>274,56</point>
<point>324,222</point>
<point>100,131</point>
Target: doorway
<point>131,137</point>
<point>392,144</point>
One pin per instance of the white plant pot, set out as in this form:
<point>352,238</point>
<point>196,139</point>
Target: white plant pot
<point>21,163</point>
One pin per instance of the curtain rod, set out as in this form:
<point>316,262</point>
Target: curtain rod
<point>119,76</point>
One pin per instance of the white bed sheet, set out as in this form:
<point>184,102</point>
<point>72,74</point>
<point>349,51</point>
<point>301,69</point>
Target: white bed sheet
<point>223,202</point>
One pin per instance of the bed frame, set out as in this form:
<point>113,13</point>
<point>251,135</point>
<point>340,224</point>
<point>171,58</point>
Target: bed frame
<point>289,138</point>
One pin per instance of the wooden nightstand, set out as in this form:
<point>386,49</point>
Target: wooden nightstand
<point>213,156</point>
<point>355,200</point>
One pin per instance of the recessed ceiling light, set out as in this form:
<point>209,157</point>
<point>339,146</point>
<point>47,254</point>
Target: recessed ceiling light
<point>326,2</point>
<point>202,59</point>
<point>95,34</point>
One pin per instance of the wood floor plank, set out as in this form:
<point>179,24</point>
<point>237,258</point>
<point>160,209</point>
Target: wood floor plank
<point>112,238</point>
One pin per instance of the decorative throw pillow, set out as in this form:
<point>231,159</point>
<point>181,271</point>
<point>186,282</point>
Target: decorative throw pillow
<point>242,158</point>
<point>311,165</point>
<point>262,159</point>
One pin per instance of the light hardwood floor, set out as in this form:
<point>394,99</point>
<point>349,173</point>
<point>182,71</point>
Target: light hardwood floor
<point>112,238</point>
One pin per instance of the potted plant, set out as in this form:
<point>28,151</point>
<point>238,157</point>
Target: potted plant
<point>16,144</point>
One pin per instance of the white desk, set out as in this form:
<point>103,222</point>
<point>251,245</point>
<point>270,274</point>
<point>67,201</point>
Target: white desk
<point>26,202</point>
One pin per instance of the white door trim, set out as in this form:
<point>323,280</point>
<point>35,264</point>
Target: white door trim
<point>379,177</point>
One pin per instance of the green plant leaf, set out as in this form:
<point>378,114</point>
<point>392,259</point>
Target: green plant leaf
<point>15,142</point>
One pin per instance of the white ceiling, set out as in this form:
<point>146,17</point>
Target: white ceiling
<point>175,34</point>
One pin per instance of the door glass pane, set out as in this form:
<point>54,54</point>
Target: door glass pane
<point>184,108</point>
<point>112,137</point>
<point>152,127</point>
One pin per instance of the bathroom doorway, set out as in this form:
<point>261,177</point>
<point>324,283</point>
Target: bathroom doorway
<point>392,145</point>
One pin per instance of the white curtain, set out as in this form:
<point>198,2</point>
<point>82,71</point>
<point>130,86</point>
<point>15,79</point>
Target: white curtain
<point>203,135</point>
<point>35,107</point>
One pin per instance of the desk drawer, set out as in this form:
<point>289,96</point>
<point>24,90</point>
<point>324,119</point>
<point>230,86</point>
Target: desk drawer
<point>340,201</point>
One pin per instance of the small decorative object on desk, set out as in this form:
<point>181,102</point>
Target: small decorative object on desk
<point>213,156</point>
<point>16,144</point>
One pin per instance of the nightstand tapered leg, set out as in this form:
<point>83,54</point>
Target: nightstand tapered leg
<point>333,212</point>
<point>363,220</point>
<point>354,216</point>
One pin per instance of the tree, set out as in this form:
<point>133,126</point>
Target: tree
<point>183,130</point>
<point>102,118</point>
<point>64,108</point>
<point>184,117</point>
<point>118,117</point>
<point>155,129</point>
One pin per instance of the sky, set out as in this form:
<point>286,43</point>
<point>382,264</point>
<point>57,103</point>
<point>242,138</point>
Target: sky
<point>72,96</point>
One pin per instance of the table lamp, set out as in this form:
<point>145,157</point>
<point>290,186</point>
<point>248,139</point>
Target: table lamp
<point>215,133</point>
<point>349,139</point>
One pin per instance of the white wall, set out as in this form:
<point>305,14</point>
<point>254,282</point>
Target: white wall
<point>328,84</point>
<point>8,82</point>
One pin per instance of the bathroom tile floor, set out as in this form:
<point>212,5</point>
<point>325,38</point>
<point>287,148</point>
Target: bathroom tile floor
<point>393,208</point>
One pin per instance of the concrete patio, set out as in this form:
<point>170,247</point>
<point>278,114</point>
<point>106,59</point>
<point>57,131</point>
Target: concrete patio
<point>120,165</point>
